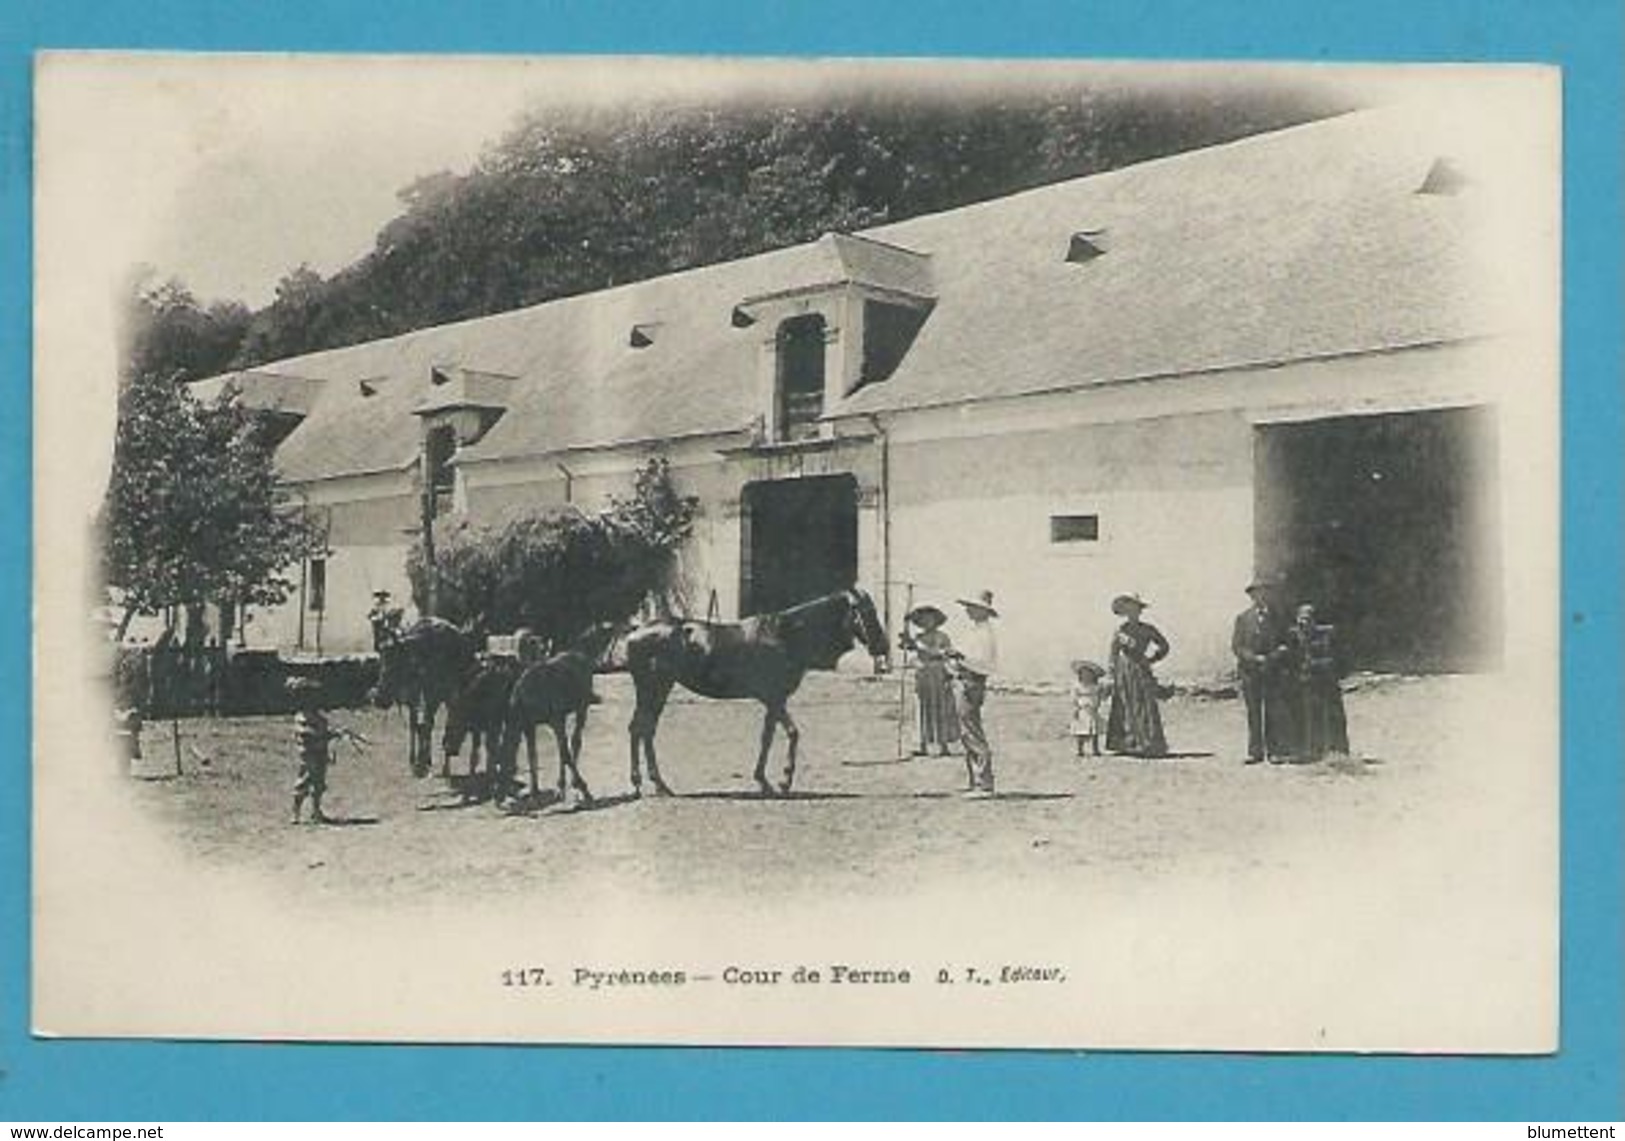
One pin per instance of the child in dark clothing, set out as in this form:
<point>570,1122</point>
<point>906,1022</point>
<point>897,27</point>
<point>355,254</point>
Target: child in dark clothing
<point>314,736</point>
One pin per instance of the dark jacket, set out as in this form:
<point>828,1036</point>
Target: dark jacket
<point>1258,637</point>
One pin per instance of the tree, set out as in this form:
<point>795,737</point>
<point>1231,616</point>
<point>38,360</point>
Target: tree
<point>194,511</point>
<point>557,573</point>
<point>170,332</point>
<point>287,326</point>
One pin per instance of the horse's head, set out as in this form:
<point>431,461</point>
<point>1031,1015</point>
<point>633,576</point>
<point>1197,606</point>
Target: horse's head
<point>595,641</point>
<point>864,625</point>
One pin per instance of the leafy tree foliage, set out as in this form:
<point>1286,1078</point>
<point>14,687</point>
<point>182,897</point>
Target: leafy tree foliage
<point>577,201</point>
<point>193,511</point>
<point>559,572</point>
<point>171,333</point>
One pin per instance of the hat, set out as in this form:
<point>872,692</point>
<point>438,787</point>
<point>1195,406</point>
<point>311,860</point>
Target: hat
<point>1084,665</point>
<point>1123,603</point>
<point>1259,584</point>
<point>380,593</point>
<point>983,601</point>
<point>926,615</point>
<point>301,685</point>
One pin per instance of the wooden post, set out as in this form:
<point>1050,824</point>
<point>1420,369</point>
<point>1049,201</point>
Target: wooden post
<point>431,572</point>
<point>902,668</point>
<point>175,728</point>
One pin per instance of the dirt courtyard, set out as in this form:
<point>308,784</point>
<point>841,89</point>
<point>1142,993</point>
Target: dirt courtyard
<point>861,818</point>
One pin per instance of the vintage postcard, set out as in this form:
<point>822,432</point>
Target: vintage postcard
<point>957,554</point>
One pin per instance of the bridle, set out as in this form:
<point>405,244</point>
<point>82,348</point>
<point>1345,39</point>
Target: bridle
<point>865,630</point>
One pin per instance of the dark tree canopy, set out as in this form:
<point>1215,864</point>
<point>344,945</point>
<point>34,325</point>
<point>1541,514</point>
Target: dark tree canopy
<point>575,201</point>
<point>170,334</point>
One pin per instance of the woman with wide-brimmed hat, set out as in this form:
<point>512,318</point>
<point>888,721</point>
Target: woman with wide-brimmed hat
<point>1134,724</point>
<point>933,685</point>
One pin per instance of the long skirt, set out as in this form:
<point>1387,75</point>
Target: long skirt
<point>1321,723</point>
<point>939,718</point>
<point>1134,725</point>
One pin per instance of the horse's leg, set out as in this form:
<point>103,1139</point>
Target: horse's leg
<point>569,749</point>
<point>661,695</point>
<point>793,734</point>
<point>445,739</point>
<point>575,752</point>
<point>561,738</point>
<point>414,747</point>
<point>770,722</point>
<point>530,755</point>
<point>503,752</point>
<point>652,691</point>
<point>634,730</point>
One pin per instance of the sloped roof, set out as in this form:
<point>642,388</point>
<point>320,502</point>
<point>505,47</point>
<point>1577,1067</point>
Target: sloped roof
<point>264,390</point>
<point>453,387</point>
<point>1304,242</point>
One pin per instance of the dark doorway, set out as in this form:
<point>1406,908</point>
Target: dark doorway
<point>1391,525</point>
<point>800,541</point>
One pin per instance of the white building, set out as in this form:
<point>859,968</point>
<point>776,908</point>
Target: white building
<point>1292,355</point>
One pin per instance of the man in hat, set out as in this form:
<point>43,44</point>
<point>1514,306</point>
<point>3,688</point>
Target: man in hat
<point>976,659</point>
<point>1259,642</point>
<point>384,619</point>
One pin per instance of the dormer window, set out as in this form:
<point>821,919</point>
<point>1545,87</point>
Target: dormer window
<point>1444,178</point>
<point>800,345</point>
<point>889,330</point>
<point>460,407</point>
<point>440,478</point>
<point>847,321</point>
<point>1085,246</point>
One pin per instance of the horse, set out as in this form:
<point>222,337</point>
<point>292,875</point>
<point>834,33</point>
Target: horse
<point>479,711</point>
<point>764,657</point>
<point>558,693</point>
<point>424,667</point>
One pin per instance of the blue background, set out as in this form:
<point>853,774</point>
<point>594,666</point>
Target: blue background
<point>65,1081</point>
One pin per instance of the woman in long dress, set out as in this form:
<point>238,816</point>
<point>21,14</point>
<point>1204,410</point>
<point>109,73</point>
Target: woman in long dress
<point>1320,721</point>
<point>933,684</point>
<point>1134,725</point>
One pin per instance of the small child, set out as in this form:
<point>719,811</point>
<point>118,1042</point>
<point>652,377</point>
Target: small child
<point>1088,688</point>
<point>315,737</point>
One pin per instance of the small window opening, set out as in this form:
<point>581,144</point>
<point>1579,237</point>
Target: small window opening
<point>642,336</point>
<point>1086,245</point>
<point>1444,177</point>
<point>438,449</point>
<point>801,376</point>
<point>316,586</point>
<point>1074,528</point>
